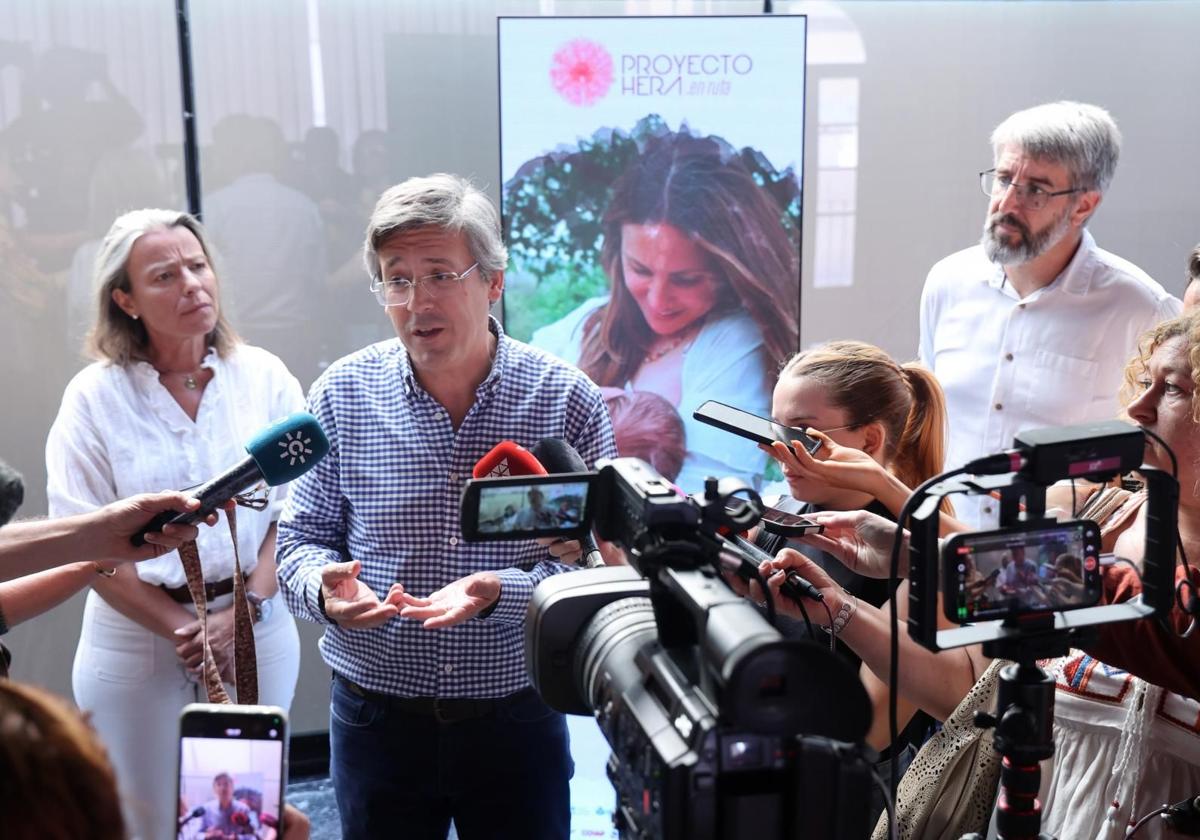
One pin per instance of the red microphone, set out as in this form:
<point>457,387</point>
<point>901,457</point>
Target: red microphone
<point>507,458</point>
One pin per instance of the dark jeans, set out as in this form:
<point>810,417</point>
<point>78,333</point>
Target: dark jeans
<point>404,775</point>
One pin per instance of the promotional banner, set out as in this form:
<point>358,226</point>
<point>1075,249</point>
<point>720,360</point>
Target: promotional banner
<point>651,174</point>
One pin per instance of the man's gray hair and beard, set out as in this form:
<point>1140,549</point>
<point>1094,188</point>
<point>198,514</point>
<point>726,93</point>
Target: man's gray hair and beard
<point>1031,245</point>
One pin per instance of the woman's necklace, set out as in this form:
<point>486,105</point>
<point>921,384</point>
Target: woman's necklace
<point>681,338</point>
<point>190,380</point>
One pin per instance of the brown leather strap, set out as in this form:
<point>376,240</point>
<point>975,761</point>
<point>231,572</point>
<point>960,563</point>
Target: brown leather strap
<point>245,660</point>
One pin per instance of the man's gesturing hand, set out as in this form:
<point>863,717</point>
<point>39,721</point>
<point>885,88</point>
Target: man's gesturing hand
<point>351,603</point>
<point>454,603</point>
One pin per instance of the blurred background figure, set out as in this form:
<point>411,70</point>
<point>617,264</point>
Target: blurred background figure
<point>315,170</point>
<point>356,314</point>
<point>271,241</point>
<point>124,180</point>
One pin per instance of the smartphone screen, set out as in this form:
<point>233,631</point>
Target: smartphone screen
<point>524,507</point>
<point>786,524</point>
<point>1015,571</point>
<point>232,771</point>
<point>747,425</point>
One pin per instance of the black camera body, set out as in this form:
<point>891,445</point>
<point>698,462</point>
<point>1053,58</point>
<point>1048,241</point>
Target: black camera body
<point>719,727</point>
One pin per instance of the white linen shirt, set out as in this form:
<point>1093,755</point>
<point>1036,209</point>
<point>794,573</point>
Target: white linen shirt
<point>120,432</point>
<point>1054,358</point>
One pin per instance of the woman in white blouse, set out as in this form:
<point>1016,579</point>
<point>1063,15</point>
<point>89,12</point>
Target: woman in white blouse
<point>170,403</point>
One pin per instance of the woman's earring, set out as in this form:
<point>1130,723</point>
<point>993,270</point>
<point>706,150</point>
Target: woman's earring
<point>134,316</point>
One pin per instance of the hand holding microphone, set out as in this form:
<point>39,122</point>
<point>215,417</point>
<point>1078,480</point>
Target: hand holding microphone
<point>282,451</point>
<point>788,567</point>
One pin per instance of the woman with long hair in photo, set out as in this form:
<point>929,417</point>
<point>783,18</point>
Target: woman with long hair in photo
<point>704,299</point>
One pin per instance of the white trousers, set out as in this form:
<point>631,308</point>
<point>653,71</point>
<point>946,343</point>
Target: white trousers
<point>133,686</point>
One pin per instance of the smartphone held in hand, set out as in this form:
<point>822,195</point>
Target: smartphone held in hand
<point>232,771</point>
<point>776,521</point>
<point>751,426</point>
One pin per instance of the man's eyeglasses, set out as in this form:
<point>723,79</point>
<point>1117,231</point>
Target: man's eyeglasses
<point>1030,196</point>
<point>398,291</point>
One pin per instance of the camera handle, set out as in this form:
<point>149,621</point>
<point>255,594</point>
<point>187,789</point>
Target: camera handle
<point>1023,726</point>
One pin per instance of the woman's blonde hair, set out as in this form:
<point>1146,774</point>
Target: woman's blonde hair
<point>870,386</point>
<point>115,336</point>
<point>1186,326</point>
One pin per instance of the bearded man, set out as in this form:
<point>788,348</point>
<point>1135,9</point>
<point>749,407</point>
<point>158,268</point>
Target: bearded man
<point>1033,326</point>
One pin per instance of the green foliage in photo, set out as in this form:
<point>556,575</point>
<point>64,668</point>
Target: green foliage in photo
<point>553,207</point>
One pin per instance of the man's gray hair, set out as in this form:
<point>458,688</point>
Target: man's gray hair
<point>1084,138</point>
<point>444,201</point>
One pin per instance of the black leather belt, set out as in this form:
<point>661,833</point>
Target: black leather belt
<point>441,709</point>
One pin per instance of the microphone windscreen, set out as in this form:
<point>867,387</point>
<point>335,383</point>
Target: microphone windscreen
<point>558,456</point>
<point>288,448</point>
<point>507,458</point>
<point>12,492</point>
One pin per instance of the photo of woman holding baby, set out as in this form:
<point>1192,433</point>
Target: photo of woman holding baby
<point>704,297</point>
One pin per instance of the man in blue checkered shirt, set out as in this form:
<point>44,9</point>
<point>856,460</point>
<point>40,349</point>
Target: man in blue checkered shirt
<point>432,713</point>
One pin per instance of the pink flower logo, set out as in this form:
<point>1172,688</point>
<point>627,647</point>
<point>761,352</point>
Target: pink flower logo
<point>581,71</point>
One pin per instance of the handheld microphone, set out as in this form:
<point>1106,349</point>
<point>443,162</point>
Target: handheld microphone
<point>558,456</point>
<point>283,451</point>
<point>507,458</point>
<point>187,818</point>
<point>794,586</point>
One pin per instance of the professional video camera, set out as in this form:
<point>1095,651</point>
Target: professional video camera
<point>720,728</point>
<point>1029,590</point>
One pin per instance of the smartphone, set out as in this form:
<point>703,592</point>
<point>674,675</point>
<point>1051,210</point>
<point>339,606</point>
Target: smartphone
<point>528,506</point>
<point>786,524</point>
<point>747,425</point>
<point>1021,570</point>
<point>232,770</point>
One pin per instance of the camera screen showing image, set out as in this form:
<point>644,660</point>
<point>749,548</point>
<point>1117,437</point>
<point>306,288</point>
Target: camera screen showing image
<point>1014,571</point>
<point>231,775</point>
<point>525,507</point>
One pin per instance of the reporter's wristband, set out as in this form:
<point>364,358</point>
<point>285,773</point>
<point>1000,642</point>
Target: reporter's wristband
<point>843,616</point>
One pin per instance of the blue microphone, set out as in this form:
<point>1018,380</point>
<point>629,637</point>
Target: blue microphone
<point>283,451</point>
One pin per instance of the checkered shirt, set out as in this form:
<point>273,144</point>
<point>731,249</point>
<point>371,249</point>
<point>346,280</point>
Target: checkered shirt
<point>388,494</point>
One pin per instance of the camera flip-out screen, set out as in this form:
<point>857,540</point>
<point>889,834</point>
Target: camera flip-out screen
<point>524,507</point>
<point>1015,571</point>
